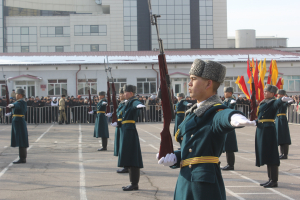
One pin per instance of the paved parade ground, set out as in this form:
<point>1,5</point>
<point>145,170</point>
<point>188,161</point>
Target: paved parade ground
<point>63,163</point>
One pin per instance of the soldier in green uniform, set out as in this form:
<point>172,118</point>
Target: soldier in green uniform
<point>180,110</point>
<point>101,127</point>
<point>203,134</point>
<point>266,145</point>
<point>230,142</point>
<point>19,133</point>
<point>130,154</point>
<point>282,127</point>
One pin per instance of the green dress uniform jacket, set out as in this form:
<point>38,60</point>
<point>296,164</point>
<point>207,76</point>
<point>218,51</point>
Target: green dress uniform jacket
<point>266,145</point>
<point>282,125</point>
<point>19,133</point>
<point>130,154</point>
<point>179,107</point>
<point>203,134</point>
<point>231,141</point>
<point>101,126</point>
<point>118,129</point>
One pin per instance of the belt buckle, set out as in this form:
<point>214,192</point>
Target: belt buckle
<point>181,162</point>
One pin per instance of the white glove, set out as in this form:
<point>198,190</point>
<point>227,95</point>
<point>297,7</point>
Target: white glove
<point>169,160</point>
<point>104,103</point>
<point>8,114</point>
<point>108,114</point>
<point>140,106</point>
<point>11,105</point>
<point>286,99</point>
<point>91,112</point>
<point>290,101</point>
<point>189,104</point>
<point>232,101</point>
<point>115,124</point>
<point>157,156</point>
<point>240,120</point>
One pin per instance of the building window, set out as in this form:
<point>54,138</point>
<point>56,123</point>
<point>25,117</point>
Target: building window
<point>146,85</point>
<point>119,82</point>
<point>230,82</point>
<point>57,87</point>
<point>90,47</point>
<point>55,31</point>
<point>25,49</point>
<point>2,88</point>
<point>59,49</point>
<point>206,24</point>
<point>130,25</point>
<point>174,24</point>
<point>24,30</point>
<point>18,35</point>
<point>291,83</point>
<point>90,30</point>
<point>85,85</point>
<point>15,11</point>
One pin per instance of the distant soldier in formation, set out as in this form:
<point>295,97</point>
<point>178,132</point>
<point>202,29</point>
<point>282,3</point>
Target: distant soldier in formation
<point>230,142</point>
<point>101,127</point>
<point>266,145</point>
<point>62,108</point>
<point>19,133</point>
<point>282,127</point>
<point>130,154</point>
<point>203,133</point>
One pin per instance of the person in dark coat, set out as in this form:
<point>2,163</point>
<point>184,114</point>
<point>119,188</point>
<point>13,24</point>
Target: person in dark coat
<point>266,145</point>
<point>230,142</point>
<point>282,127</point>
<point>130,154</point>
<point>203,134</point>
<point>180,108</point>
<point>19,133</point>
<point>101,127</point>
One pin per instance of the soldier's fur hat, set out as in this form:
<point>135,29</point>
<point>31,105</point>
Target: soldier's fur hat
<point>228,89</point>
<point>129,88</point>
<point>21,91</point>
<point>209,70</point>
<point>180,95</point>
<point>121,91</point>
<point>102,93</point>
<point>271,88</point>
<point>282,92</point>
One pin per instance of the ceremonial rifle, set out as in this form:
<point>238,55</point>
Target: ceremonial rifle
<point>7,110</point>
<point>108,91</point>
<point>90,99</point>
<point>166,144</point>
<point>253,105</point>
<point>114,97</point>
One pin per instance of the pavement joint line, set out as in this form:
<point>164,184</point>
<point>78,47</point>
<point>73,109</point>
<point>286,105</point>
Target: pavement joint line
<point>10,164</point>
<point>142,139</point>
<point>82,189</point>
<point>253,181</point>
<point>256,193</point>
<point>234,194</point>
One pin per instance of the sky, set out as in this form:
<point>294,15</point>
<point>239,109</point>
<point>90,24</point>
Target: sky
<point>279,18</point>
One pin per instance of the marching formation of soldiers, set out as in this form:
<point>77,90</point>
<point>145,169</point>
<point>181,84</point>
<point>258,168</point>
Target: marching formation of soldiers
<point>204,131</point>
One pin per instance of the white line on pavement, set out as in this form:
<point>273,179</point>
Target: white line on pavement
<point>142,139</point>
<point>246,186</point>
<point>256,193</point>
<point>149,133</point>
<point>153,147</point>
<point>234,194</point>
<point>44,133</point>
<point>82,189</point>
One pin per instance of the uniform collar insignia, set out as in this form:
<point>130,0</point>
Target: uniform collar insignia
<point>210,102</point>
<point>129,100</point>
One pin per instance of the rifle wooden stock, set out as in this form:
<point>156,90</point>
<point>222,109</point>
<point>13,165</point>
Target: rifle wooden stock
<point>90,100</point>
<point>114,98</point>
<point>166,144</point>
<point>108,98</point>
<point>253,103</point>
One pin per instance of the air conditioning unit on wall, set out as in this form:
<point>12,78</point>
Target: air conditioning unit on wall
<point>99,2</point>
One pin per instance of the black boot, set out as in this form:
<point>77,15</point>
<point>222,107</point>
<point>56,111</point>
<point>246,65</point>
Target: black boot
<point>274,177</point>
<point>104,144</point>
<point>285,152</point>
<point>134,176</point>
<point>269,176</point>
<point>123,170</point>
<point>230,161</point>
<point>22,155</point>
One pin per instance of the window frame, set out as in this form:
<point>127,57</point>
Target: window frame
<point>143,85</point>
<point>59,82</point>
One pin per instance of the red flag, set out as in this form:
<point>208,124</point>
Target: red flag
<point>249,73</point>
<point>279,84</point>
<point>255,74</point>
<point>244,87</point>
<point>270,73</point>
<point>261,90</point>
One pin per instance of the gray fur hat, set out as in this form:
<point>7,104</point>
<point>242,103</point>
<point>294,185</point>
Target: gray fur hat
<point>282,92</point>
<point>129,88</point>
<point>208,70</point>
<point>121,90</point>
<point>228,89</point>
<point>102,93</point>
<point>271,88</point>
<point>180,95</point>
<point>21,91</point>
